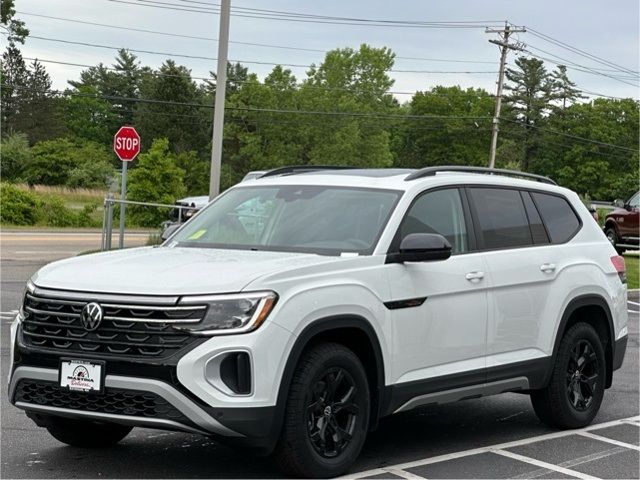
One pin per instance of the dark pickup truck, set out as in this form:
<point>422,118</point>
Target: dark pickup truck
<point>622,224</point>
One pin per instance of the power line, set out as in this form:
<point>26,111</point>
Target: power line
<point>567,146</point>
<point>568,135</point>
<point>211,39</point>
<point>246,82</point>
<point>317,113</point>
<point>573,65</point>
<point>580,52</point>
<point>254,62</point>
<point>250,109</point>
<point>304,18</point>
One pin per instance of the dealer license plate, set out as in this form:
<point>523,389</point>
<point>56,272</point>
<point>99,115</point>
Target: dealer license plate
<point>82,375</point>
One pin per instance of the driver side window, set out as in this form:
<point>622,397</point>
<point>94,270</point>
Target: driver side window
<point>439,212</point>
<point>634,201</point>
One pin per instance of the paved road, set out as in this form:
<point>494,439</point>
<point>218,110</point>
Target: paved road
<point>493,437</point>
<point>46,246</point>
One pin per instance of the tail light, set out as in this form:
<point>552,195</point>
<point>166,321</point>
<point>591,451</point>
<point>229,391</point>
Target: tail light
<point>618,264</point>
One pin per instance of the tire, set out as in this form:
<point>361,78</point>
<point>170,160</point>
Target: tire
<point>328,400</point>
<point>86,434</point>
<point>576,388</point>
<point>612,236</point>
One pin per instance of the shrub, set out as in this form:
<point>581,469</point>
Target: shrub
<point>156,178</point>
<point>18,207</point>
<point>16,156</point>
<point>78,163</point>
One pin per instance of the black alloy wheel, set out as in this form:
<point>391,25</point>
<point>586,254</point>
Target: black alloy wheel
<point>332,412</point>
<point>575,389</point>
<point>326,415</point>
<point>582,375</point>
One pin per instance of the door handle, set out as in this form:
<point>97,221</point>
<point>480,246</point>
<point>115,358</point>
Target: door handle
<point>474,276</point>
<point>547,267</point>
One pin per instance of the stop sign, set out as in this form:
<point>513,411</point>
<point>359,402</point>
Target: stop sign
<point>126,143</point>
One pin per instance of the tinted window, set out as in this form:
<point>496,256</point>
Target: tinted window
<point>502,218</point>
<point>535,222</point>
<point>560,219</point>
<point>438,212</point>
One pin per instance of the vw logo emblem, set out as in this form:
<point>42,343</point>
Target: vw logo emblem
<point>91,316</point>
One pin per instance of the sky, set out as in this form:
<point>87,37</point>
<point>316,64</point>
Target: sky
<point>609,30</point>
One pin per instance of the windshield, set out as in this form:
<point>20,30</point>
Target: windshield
<point>308,219</point>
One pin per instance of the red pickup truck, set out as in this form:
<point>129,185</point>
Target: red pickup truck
<point>622,224</point>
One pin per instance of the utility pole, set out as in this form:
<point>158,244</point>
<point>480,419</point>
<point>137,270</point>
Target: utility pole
<point>505,46</point>
<point>221,88</point>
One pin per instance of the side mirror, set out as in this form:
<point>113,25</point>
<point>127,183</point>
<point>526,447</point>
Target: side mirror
<point>421,247</point>
<point>619,203</point>
<point>167,232</point>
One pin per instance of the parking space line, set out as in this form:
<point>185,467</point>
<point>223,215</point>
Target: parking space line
<point>541,464</point>
<point>500,446</point>
<point>600,438</point>
<point>633,303</point>
<point>402,473</point>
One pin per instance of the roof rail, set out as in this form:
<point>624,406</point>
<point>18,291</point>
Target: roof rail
<point>431,171</point>
<point>292,170</point>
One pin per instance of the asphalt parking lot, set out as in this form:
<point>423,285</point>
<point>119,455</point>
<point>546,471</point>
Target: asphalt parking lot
<point>495,437</point>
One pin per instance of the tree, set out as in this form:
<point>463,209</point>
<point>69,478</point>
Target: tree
<point>14,75</point>
<point>88,116</point>
<point>16,29</point>
<point>531,94</point>
<point>16,156</point>
<point>349,80</point>
<point>445,141</point>
<point>183,125</point>
<point>595,169</point>
<point>75,163</point>
<point>563,89</point>
<point>156,178</point>
<point>37,111</point>
<point>120,82</point>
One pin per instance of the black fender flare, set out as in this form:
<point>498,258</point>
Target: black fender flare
<point>302,341</point>
<point>580,301</point>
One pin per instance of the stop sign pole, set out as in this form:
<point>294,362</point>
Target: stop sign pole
<point>126,145</point>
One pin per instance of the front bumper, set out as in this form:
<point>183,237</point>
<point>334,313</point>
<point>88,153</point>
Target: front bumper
<point>186,398</point>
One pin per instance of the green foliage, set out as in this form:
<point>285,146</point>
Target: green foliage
<point>173,84</point>
<point>75,163</point>
<point>196,172</point>
<point>157,179</point>
<point>441,141</point>
<point>88,117</point>
<point>16,156</point>
<point>18,207</point>
<point>22,207</point>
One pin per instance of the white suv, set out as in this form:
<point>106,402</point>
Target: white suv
<point>299,308</point>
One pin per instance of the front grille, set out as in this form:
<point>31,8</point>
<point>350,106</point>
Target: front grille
<point>128,330</point>
<point>114,401</point>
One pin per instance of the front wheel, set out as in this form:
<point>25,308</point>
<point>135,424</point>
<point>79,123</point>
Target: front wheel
<point>327,414</point>
<point>576,388</point>
<point>85,433</point>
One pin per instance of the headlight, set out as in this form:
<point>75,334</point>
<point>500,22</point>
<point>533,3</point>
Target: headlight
<point>28,289</point>
<point>230,314</point>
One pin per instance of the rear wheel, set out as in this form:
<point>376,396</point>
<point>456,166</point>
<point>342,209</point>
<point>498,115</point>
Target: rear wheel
<point>86,434</point>
<point>574,394</point>
<point>612,236</point>
<point>327,414</point>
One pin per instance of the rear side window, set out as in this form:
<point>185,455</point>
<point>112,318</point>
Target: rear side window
<point>561,221</point>
<point>535,222</point>
<point>501,217</point>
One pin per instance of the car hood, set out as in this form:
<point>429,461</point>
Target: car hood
<point>168,271</point>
